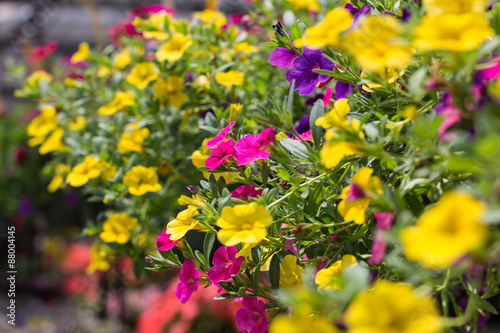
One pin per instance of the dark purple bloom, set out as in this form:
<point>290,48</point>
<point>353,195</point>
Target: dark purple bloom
<point>310,101</point>
<point>303,125</point>
<point>71,199</point>
<point>193,189</point>
<point>246,191</point>
<point>351,8</point>
<point>355,192</point>
<point>282,57</point>
<point>342,89</point>
<point>406,15</point>
<point>252,316</point>
<point>306,80</point>
<point>25,207</point>
<point>364,11</point>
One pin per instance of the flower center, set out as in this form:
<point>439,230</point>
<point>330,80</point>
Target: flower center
<point>355,192</point>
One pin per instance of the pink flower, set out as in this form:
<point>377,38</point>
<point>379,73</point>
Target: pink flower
<point>225,265</point>
<point>328,96</point>
<point>379,245</point>
<point>253,147</point>
<point>125,28</point>
<point>246,191</point>
<point>221,137</point>
<point>40,53</point>
<point>148,9</point>
<point>220,155</point>
<point>306,136</point>
<point>163,243</point>
<point>189,281</point>
<point>252,316</point>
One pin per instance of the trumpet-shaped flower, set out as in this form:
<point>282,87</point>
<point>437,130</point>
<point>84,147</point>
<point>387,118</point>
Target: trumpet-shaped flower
<point>141,180</point>
<point>164,243</point>
<point>234,111</point>
<point>221,137</point>
<point>225,264</point>
<point>119,102</point>
<point>379,244</point>
<point>117,228</point>
<point>82,54</point>
<point>328,32</point>
<point>446,232</point>
<point>220,155</point>
<point>230,78</point>
<point>393,307</point>
<point>357,196</point>
<point>331,278</point>
<point>306,80</point>
<point>452,32</point>
<point>252,316</point>
<point>142,74</point>
<point>246,191</point>
<point>291,273</point>
<point>170,91</point>
<point>189,277</point>
<point>336,117</point>
<point>174,49</point>
<point>132,139</point>
<point>253,147</point>
<point>184,222</point>
<point>90,168</point>
<point>243,224</point>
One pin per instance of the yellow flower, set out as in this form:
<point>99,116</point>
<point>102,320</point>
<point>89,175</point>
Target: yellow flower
<point>165,168</point>
<point>70,82</point>
<point>247,48</point>
<point>171,90</point>
<point>140,180</point>
<point>132,139</point>
<point>34,79</point>
<point>243,224</point>
<point>392,307</point>
<point>53,142</point>
<point>311,5</point>
<point>78,124</point>
<point>198,158</point>
<point>117,228</point>
<point>331,278</point>
<point>174,49</point>
<point>103,71</point>
<point>290,273</point>
<point>410,112</point>
<point>438,7</point>
<point>43,124</point>
<point>301,324</point>
<point>446,232</point>
<point>234,111</point>
<point>357,196</point>
<point>90,168</point>
<point>142,74</point>
<point>122,59</point>
<point>98,259</point>
<point>452,32</point>
<point>108,170</point>
<point>230,78</point>
<point>60,172</point>
<point>183,223</point>
<point>202,82</point>
<point>333,152</point>
<point>336,117</point>
<point>377,45</point>
<point>157,26</point>
<point>82,54</point>
<point>328,32</point>
<point>121,100</point>
<point>208,17</point>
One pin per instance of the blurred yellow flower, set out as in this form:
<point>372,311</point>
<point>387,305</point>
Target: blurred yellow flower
<point>81,173</point>
<point>122,59</point>
<point>356,197</point>
<point>311,5</point>
<point>43,124</point>
<point>117,228</point>
<point>141,180</point>
<point>328,32</point>
<point>132,139</point>
<point>78,124</point>
<point>60,172</point>
<point>446,232</point>
<point>438,7</point>
<point>301,324</point>
<point>142,74</point>
<point>82,54</point>
<point>452,32</point>
<point>290,272</point>
<point>108,170</point>
<point>336,117</point>
<point>209,16</point>
<point>165,168</point>
<point>98,258</point>
<point>119,102</point>
<point>174,49</point>
<point>393,307</point>
<point>331,278</point>
<point>230,78</point>
<point>243,224</point>
<point>184,222</point>
<point>247,48</point>
<point>198,158</point>
<point>34,79</point>
<point>234,111</point>
<point>170,90</point>
<point>333,152</point>
<point>53,142</point>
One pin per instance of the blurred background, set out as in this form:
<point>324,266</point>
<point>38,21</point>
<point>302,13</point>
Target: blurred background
<point>53,291</point>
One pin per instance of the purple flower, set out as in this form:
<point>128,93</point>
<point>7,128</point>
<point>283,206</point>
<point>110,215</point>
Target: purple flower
<point>189,281</point>
<point>25,207</point>
<point>306,80</point>
<point>163,243</point>
<point>220,155</point>
<point>226,264</point>
<point>246,191</point>
<point>406,15</point>
<point>355,192</point>
<point>220,137</point>
<point>282,57</point>
<point>342,89</point>
<point>253,147</point>
<point>364,11</point>
<point>252,316</point>
<point>303,125</point>
<point>379,245</point>
<point>311,100</point>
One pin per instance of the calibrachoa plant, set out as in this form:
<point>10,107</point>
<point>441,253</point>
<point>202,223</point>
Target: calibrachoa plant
<point>363,197</point>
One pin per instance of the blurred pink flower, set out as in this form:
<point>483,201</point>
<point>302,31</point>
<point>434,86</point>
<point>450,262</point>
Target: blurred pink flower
<point>220,155</point>
<point>252,316</point>
<point>147,9</point>
<point>226,264</point>
<point>124,28</point>
<point>189,281</point>
<point>253,147</point>
<point>221,137</point>
<point>163,243</point>
<point>246,191</point>
<point>378,249</point>
<point>40,53</point>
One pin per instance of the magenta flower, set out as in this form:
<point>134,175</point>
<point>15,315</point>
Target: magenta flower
<point>163,243</point>
<point>490,73</point>
<point>221,137</point>
<point>246,191</point>
<point>328,96</point>
<point>226,264</point>
<point>220,154</point>
<point>253,147</point>
<point>355,192</point>
<point>282,57</point>
<point>379,245</point>
<point>252,316</point>
<point>189,281</point>
<point>306,80</point>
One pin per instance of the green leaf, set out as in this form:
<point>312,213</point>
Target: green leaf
<point>295,32</point>
<point>269,44</point>
<point>208,244</point>
<point>274,271</point>
<point>290,101</point>
<point>256,253</point>
<point>224,296</point>
<point>201,258</point>
<point>296,148</point>
<point>318,110</point>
